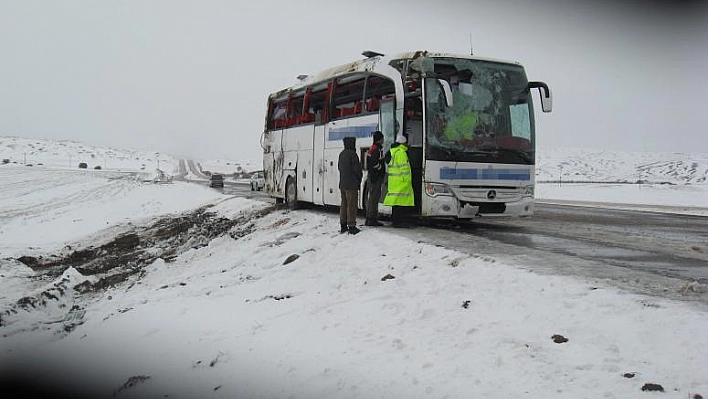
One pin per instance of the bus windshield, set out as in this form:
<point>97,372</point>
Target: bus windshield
<point>491,117</point>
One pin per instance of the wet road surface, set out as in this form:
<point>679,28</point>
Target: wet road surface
<point>665,244</point>
<point>647,252</point>
<point>652,253</point>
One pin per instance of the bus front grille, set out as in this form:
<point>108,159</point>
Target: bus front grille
<point>488,194</point>
<point>489,207</point>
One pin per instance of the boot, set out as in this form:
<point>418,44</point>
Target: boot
<point>343,229</point>
<point>353,230</point>
<point>372,222</point>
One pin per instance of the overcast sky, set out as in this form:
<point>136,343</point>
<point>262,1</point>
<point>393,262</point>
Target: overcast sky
<point>191,78</point>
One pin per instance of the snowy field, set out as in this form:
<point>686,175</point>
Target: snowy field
<point>578,164</point>
<point>239,300</point>
<point>230,167</point>
<point>668,182</point>
<point>68,154</point>
<point>43,209</point>
<point>689,199</point>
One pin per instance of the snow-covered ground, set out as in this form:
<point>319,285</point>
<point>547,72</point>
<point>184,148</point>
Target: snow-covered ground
<point>45,209</point>
<point>279,305</point>
<point>684,199</point>
<point>68,154</point>
<point>665,182</point>
<point>582,164</point>
<point>231,167</point>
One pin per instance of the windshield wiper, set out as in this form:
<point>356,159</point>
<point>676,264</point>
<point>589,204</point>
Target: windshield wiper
<point>483,151</point>
<point>521,154</point>
<point>451,153</point>
<point>456,154</point>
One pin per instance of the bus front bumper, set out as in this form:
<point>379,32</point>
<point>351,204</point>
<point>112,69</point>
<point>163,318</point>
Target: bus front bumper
<point>451,207</point>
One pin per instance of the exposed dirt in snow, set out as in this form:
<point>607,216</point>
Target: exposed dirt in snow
<point>117,261</point>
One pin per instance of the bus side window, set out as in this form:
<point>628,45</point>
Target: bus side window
<point>308,114</point>
<point>376,88</point>
<point>348,94</point>
<point>317,104</point>
<point>295,109</point>
<point>278,117</point>
<point>372,104</point>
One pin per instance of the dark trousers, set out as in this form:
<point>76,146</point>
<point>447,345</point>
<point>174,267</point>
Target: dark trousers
<point>399,215</point>
<point>372,201</point>
<point>347,211</point>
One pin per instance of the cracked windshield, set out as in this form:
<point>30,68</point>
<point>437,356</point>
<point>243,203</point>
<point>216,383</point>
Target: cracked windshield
<point>490,118</point>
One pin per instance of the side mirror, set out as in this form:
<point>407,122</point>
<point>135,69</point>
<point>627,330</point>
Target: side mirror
<point>545,93</point>
<point>448,92</point>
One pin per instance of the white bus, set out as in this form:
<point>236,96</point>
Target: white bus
<point>469,121</point>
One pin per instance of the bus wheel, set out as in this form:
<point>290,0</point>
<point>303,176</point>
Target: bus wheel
<point>291,193</point>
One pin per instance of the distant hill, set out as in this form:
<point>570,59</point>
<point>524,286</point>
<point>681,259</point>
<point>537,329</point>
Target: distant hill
<point>552,164</point>
<point>229,167</point>
<point>568,164</point>
<point>68,154</point>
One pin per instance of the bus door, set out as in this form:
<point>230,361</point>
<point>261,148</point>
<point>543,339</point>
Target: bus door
<point>318,169</point>
<point>387,124</point>
<point>413,126</point>
<point>330,171</point>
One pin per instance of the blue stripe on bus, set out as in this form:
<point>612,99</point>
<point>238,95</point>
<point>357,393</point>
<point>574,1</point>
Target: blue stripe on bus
<point>484,174</point>
<point>360,132</point>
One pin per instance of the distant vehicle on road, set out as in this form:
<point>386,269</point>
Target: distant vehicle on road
<point>257,181</point>
<point>83,165</point>
<point>217,180</point>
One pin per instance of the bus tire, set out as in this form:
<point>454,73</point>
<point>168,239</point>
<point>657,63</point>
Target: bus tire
<point>291,194</point>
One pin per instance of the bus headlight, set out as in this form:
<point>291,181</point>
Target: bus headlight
<point>528,191</point>
<point>435,189</point>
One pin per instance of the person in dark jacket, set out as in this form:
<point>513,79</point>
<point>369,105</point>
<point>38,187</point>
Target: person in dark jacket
<point>350,174</point>
<point>376,169</point>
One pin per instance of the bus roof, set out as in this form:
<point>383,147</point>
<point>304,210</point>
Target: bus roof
<point>379,62</point>
<point>434,54</point>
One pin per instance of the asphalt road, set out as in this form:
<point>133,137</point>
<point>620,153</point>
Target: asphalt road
<point>646,252</point>
<point>667,244</point>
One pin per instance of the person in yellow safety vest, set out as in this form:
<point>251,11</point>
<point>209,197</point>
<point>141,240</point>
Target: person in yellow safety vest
<point>400,188</point>
<point>462,127</point>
